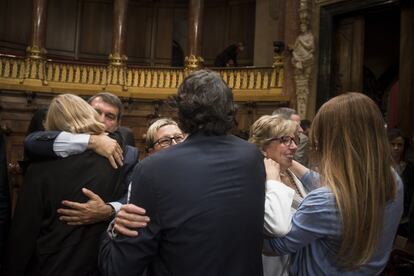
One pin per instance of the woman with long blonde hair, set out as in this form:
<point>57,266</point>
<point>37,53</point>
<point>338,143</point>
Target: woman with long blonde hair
<point>40,243</point>
<point>348,224</point>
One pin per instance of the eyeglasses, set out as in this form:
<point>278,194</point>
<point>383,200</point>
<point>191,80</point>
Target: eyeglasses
<point>286,140</point>
<point>165,142</point>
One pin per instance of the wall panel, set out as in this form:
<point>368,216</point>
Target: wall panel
<point>96,29</point>
<point>15,33</point>
<point>163,36</point>
<point>61,27</point>
<point>139,26</point>
<point>241,28</point>
<point>82,29</point>
<point>214,31</point>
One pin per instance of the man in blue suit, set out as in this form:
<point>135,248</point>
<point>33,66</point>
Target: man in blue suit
<point>205,196</point>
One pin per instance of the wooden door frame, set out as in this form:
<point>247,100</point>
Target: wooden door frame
<point>325,82</point>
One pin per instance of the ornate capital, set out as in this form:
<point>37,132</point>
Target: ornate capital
<point>35,52</point>
<point>193,63</point>
<point>117,59</point>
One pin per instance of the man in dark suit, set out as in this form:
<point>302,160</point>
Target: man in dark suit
<point>4,197</point>
<point>205,196</point>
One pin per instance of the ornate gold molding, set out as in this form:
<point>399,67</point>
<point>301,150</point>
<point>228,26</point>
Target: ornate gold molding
<point>117,59</point>
<point>35,52</point>
<point>251,84</point>
<point>192,63</point>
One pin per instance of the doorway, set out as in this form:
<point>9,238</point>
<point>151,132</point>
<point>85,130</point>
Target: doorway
<point>363,46</point>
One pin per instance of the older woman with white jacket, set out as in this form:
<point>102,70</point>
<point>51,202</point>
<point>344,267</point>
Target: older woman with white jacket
<point>277,139</point>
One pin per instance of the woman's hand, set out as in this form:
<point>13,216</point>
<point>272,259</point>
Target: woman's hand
<point>298,169</point>
<point>104,145</point>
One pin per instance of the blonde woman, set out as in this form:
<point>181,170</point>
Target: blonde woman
<point>347,226</point>
<point>40,243</point>
<point>277,138</point>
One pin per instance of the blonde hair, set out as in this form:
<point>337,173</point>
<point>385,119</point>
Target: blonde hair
<point>68,112</point>
<point>267,127</point>
<point>154,127</point>
<point>351,147</point>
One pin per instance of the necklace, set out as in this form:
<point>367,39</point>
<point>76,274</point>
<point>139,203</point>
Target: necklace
<point>292,184</point>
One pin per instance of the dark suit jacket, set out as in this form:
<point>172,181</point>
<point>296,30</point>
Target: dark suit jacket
<point>40,244</point>
<point>4,197</point>
<point>127,136</point>
<point>205,198</point>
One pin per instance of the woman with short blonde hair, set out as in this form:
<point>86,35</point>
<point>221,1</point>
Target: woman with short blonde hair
<point>347,226</point>
<point>153,129</point>
<point>68,112</point>
<point>270,126</point>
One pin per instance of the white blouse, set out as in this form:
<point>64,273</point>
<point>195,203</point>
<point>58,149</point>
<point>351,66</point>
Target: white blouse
<point>281,203</point>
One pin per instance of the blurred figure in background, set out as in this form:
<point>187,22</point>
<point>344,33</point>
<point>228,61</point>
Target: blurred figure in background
<point>305,125</point>
<point>399,146</point>
<point>228,58</point>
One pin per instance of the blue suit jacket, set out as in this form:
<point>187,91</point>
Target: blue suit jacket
<point>205,198</point>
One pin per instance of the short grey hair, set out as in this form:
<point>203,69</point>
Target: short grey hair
<point>285,112</point>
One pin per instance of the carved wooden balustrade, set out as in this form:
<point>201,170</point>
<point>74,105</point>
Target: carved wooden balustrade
<point>248,83</point>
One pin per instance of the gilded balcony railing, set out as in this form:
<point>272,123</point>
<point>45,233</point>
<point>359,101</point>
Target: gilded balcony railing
<point>76,73</point>
<point>248,83</point>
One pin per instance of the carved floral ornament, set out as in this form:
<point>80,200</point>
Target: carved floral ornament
<point>35,52</point>
<point>193,63</point>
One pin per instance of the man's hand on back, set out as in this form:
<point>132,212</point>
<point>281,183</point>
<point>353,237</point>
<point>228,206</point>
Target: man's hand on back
<point>92,211</point>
